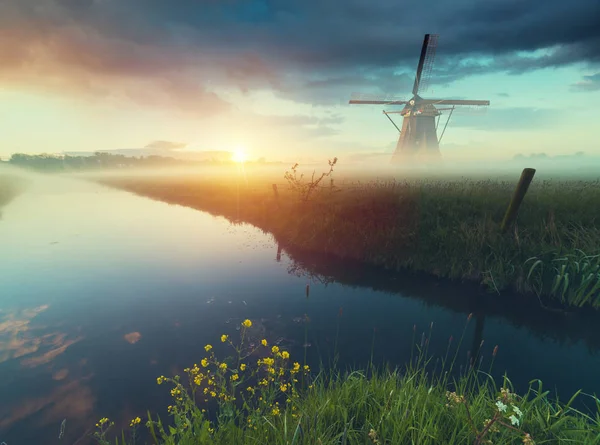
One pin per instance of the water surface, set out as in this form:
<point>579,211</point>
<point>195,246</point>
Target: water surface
<point>102,291</point>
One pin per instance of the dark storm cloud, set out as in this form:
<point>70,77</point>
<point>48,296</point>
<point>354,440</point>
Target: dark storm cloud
<point>315,51</point>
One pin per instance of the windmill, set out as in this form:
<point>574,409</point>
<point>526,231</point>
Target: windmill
<point>418,136</point>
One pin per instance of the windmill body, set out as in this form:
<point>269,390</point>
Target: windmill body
<point>418,136</point>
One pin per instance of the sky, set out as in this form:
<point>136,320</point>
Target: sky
<point>275,77</point>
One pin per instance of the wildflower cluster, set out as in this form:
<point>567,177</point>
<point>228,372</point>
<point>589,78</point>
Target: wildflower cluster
<point>453,399</point>
<point>505,410</point>
<point>269,389</point>
<point>102,426</point>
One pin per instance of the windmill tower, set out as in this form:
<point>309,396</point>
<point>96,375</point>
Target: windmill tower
<point>418,136</point>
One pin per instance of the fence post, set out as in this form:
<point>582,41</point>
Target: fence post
<point>276,194</point>
<point>517,199</point>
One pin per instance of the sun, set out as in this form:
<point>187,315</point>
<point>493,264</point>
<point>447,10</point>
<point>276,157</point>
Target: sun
<point>239,155</point>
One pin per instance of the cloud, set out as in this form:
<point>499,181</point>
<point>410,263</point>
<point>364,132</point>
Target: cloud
<point>154,54</point>
<point>515,119</point>
<point>165,145</point>
<point>300,120</point>
<point>589,83</point>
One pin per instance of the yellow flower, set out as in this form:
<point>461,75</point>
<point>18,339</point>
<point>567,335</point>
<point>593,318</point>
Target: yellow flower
<point>208,348</point>
<point>275,411</point>
<point>306,368</point>
<point>263,342</point>
<point>213,394</point>
<point>247,323</point>
<point>250,389</point>
<point>102,421</point>
<point>263,382</point>
<point>135,422</point>
<point>275,349</point>
<point>224,338</point>
<point>211,430</point>
<point>160,380</point>
<point>283,387</point>
<point>285,355</point>
<point>204,362</point>
<point>243,367</point>
<point>223,366</point>
<point>234,377</point>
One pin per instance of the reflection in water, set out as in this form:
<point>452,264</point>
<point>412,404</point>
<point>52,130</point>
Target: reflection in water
<point>20,339</point>
<point>477,339</point>
<point>132,337</point>
<point>135,288</point>
<point>73,400</point>
<point>566,328</point>
<point>15,338</point>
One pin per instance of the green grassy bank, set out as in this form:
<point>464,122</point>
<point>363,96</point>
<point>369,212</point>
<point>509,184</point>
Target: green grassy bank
<point>448,228</point>
<point>261,395</point>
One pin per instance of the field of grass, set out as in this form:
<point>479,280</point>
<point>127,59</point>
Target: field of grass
<point>259,394</point>
<point>445,227</point>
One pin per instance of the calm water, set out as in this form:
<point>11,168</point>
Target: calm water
<point>102,291</point>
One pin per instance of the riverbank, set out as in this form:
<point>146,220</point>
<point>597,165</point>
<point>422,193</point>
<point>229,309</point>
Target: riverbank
<point>260,394</point>
<point>448,228</point>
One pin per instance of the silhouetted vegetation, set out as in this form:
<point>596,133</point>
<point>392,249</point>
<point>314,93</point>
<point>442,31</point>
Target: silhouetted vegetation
<point>49,163</point>
<point>60,163</point>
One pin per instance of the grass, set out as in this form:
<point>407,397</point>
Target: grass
<point>280,402</point>
<point>448,228</point>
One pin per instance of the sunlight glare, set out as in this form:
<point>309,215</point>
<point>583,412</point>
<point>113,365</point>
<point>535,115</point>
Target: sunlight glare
<point>239,156</point>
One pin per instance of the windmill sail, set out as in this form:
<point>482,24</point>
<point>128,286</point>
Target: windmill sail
<point>427,56</point>
<point>428,64</point>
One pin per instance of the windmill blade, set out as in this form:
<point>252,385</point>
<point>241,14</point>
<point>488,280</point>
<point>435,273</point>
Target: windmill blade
<point>428,64</point>
<point>371,99</point>
<point>427,47</point>
<point>455,102</point>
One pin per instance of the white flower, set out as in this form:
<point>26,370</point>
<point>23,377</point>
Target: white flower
<point>514,420</point>
<point>501,406</point>
<point>517,411</point>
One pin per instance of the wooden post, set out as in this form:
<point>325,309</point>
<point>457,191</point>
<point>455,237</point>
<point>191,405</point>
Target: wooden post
<point>276,194</point>
<point>517,199</point>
